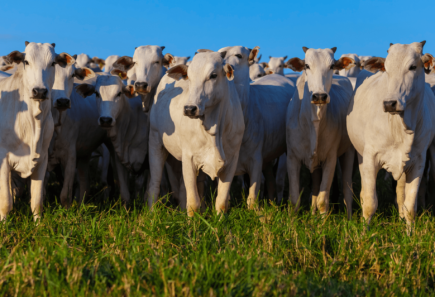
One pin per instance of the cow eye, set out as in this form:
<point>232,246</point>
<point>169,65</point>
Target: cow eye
<point>259,75</point>
<point>332,66</point>
<point>157,62</point>
<point>73,75</point>
<point>97,94</point>
<point>239,56</point>
<point>25,62</point>
<point>118,95</point>
<point>213,75</point>
<point>52,64</point>
<point>413,67</point>
<point>307,66</point>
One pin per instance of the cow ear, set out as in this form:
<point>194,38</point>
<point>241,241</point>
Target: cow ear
<point>15,57</point>
<point>26,43</point>
<point>258,59</point>
<point>6,67</point>
<point>428,61</point>
<point>188,58</point>
<point>64,60</point>
<point>75,56</point>
<point>285,58</point>
<point>204,51</point>
<point>167,60</point>
<point>129,91</point>
<point>178,72</point>
<point>84,73</point>
<point>375,64</point>
<point>253,55</point>
<point>99,62</point>
<point>85,90</point>
<point>344,63</point>
<point>122,74</point>
<point>296,64</point>
<point>229,71</point>
<point>124,63</point>
<point>264,64</point>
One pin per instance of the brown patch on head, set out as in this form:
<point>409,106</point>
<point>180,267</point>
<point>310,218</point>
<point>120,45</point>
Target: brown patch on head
<point>264,64</point>
<point>99,61</point>
<point>428,61</point>
<point>122,74</point>
<point>296,64</point>
<point>15,57</point>
<point>64,60</point>
<point>168,59</point>
<point>85,90</point>
<point>375,64</point>
<point>344,63</point>
<point>6,67</point>
<point>229,71</point>
<point>84,73</point>
<point>124,63</point>
<point>129,91</point>
<point>177,72</point>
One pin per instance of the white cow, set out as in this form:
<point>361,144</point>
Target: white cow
<point>275,65</point>
<point>27,125</point>
<point>256,71</point>
<point>264,105</point>
<point>108,64</point>
<point>316,127</point>
<point>199,121</point>
<point>120,114</point>
<point>391,125</point>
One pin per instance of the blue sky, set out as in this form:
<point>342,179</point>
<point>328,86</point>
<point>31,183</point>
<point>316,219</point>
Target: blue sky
<point>103,28</point>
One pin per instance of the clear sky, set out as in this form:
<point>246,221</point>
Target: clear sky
<point>103,28</point>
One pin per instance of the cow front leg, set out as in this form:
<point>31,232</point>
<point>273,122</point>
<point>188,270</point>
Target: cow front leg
<point>346,163</point>
<point>157,158</point>
<point>193,203</point>
<point>37,189</point>
<point>280,177</point>
<point>83,178</point>
<point>255,175</point>
<point>122,173</point>
<point>316,178</point>
<point>294,170</point>
<point>68,182</point>
<point>224,185</point>
<point>369,200</point>
<point>270,181</point>
<point>400,194</point>
<point>6,202</point>
<point>328,170</point>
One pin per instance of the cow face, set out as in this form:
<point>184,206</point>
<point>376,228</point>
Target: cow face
<point>64,82</point>
<point>208,76</point>
<point>256,71</point>
<point>240,58</point>
<point>147,68</point>
<point>276,65</point>
<point>319,65</point>
<point>362,60</point>
<point>39,62</point>
<point>354,71</point>
<point>405,67</point>
<point>111,95</point>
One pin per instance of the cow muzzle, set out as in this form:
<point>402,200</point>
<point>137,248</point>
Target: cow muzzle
<point>192,111</point>
<point>63,104</point>
<point>105,122</point>
<point>319,98</point>
<point>39,94</point>
<point>142,87</point>
<point>393,107</point>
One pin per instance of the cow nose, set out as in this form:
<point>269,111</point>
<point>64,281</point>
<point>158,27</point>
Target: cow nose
<point>390,106</point>
<point>141,86</point>
<point>39,93</point>
<point>319,97</point>
<point>106,121</point>
<point>62,103</point>
<point>190,110</point>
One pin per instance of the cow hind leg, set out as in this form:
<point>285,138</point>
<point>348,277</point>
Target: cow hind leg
<point>83,178</point>
<point>280,177</point>
<point>68,181</point>
<point>294,171</point>
<point>346,163</point>
<point>255,175</point>
<point>270,181</point>
<point>6,202</point>
<point>157,158</point>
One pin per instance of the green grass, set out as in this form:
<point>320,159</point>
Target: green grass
<point>101,248</point>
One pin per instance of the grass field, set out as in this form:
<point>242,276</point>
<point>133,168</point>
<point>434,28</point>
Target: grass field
<point>103,249</point>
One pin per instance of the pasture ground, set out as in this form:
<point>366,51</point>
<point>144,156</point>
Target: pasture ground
<point>101,248</point>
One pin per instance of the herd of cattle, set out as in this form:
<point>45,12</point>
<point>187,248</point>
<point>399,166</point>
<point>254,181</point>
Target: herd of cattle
<point>222,114</point>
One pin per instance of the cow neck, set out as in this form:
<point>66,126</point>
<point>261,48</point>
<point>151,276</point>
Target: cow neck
<point>243,85</point>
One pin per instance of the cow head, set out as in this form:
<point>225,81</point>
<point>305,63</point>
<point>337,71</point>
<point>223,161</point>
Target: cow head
<point>354,71</point>
<point>362,60</point>
<point>179,61</point>
<point>405,67</point>
<point>147,66</point>
<point>108,64</point>
<point>276,65</point>
<point>64,83</point>
<point>208,80</point>
<point>111,95</point>
<point>39,62</point>
<point>319,65</point>
<point>256,71</point>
